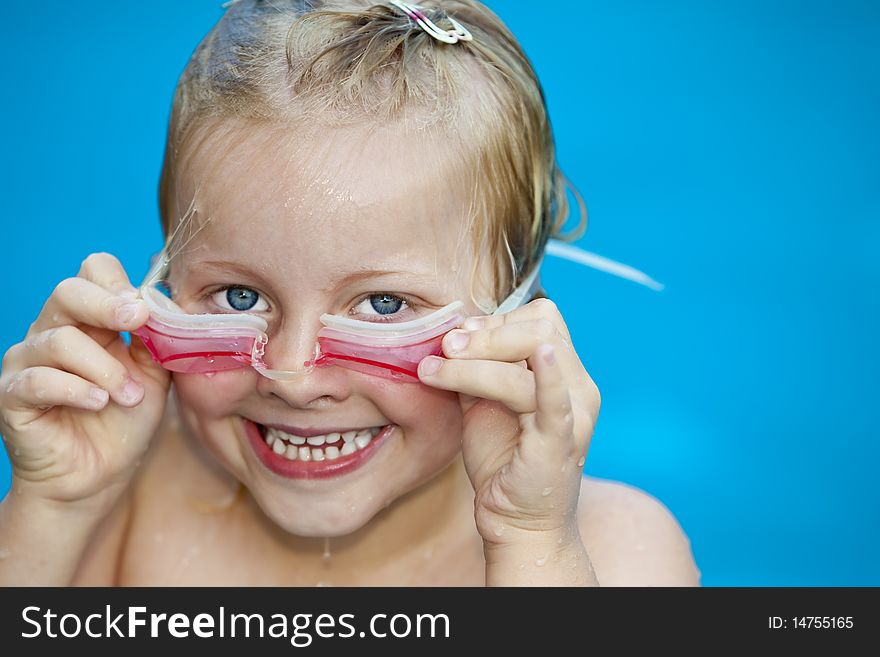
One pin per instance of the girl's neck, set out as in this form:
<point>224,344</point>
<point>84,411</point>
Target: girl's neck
<point>436,516</point>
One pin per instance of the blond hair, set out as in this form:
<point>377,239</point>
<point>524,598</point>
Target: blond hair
<point>340,62</point>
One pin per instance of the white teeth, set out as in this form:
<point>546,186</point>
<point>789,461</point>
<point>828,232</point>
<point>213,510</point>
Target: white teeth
<point>300,448</point>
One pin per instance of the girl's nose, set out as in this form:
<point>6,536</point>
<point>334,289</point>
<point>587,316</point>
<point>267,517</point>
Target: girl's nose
<point>290,352</point>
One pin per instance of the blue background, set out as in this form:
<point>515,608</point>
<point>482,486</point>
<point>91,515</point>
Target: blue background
<point>729,149</point>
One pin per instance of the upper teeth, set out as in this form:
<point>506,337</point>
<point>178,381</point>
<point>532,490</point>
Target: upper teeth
<point>334,444</point>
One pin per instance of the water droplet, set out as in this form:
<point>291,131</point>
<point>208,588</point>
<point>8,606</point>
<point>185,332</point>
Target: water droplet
<point>125,437</point>
<point>522,566</point>
<point>211,360</point>
<point>581,461</point>
<point>16,451</point>
<point>564,467</point>
<point>56,317</point>
<point>546,491</point>
<point>40,393</point>
<point>210,375</point>
<point>323,584</point>
<point>540,562</point>
<point>4,553</point>
<point>499,530</point>
<point>326,555</point>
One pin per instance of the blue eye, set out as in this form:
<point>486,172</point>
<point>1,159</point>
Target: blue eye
<point>385,304</point>
<point>242,299</point>
<point>381,304</point>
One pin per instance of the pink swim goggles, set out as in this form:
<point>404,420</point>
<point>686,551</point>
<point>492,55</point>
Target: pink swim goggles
<point>211,343</point>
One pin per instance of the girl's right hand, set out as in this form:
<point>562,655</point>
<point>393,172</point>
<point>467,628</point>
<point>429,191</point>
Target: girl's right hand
<point>77,405</point>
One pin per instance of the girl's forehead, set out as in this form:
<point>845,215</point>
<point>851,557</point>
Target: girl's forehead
<point>361,164</point>
<point>338,196</point>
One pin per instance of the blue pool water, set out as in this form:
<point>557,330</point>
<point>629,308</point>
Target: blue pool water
<point>729,149</point>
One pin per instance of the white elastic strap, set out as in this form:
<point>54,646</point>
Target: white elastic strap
<point>568,252</point>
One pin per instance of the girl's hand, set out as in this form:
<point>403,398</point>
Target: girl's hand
<point>77,405</point>
<point>529,410</point>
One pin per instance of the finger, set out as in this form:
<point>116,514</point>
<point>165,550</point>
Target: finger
<point>507,383</point>
<point>553,417</point>
<point>82,302</point>
<point>537,309</point>
<point>28,394</point>
<point>509,342</point>
<point>68,348</point>
<point>105,270</point>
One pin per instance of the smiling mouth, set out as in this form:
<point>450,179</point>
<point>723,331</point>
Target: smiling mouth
<point>315,457</point>
<point>325,447</point>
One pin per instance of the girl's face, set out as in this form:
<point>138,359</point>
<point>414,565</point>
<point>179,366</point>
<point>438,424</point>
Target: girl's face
<point>368,225</point>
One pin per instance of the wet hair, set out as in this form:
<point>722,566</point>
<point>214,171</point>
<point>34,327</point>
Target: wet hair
<point>344,62</point>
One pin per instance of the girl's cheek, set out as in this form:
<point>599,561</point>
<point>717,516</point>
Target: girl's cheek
<point>214,395</point>
<point>412,405</point>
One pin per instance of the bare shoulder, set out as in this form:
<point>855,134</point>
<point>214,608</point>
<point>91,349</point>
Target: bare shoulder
<point>632,538</point>
<point>99,565</point>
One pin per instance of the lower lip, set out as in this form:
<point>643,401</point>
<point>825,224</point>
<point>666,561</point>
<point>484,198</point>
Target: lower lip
<point>312,469</point>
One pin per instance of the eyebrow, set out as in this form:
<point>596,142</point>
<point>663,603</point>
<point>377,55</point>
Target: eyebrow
<point>337,282</point>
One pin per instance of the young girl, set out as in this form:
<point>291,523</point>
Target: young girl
<point>352,160</point>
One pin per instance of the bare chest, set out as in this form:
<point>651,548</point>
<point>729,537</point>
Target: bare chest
<point>196,547</point>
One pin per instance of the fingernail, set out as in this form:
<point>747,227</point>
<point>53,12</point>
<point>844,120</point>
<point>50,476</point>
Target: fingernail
<point>126,312</point>
<point>132,391</point>
<point>98,397</point>
<point>430,365</point>
<point>457,340</point>
<point>549,354</point>
<point>472,323</point>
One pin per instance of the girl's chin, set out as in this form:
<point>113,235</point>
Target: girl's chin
<point>314,526</point>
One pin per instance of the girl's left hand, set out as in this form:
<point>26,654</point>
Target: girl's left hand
<point>529,410</point>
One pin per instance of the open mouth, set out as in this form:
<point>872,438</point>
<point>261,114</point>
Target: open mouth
<point>314,457</point>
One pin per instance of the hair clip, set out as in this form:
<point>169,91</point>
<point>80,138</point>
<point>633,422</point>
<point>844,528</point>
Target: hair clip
<point>458,33</point>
